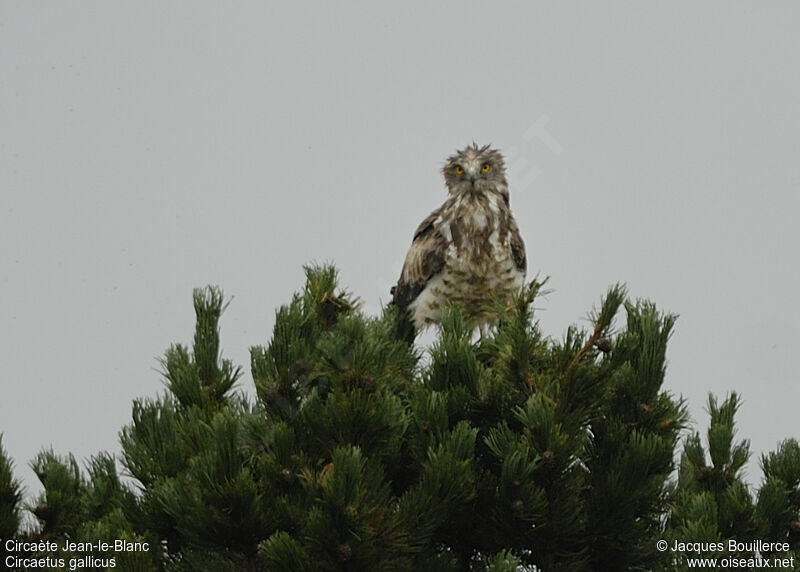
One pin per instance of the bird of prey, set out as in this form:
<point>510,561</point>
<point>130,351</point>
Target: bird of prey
<point>469,250</point>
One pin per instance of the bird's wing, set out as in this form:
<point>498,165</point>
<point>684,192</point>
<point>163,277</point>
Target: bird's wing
<point>425,258</point>
<point>518,249</point>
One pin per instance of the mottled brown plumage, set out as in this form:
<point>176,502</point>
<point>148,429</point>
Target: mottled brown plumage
<point>469,250</point>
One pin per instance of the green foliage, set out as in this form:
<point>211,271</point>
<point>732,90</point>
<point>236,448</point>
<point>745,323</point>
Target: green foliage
<point>778,505</point>
<point>495,448</point>
<point>87,509</point>
<point>714,503</point>
<point>632,448</point>
<point>10,498</point>
<point>512,452</point>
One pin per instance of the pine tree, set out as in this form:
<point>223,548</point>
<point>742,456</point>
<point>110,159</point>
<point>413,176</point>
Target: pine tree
<point>715,505</point>
<point>10,499</point>
<point>77,509</point>
<point>514,451</point>
<point>777,510</point>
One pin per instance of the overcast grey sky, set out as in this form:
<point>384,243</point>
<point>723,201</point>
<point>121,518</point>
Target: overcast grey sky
<point>149,148</point>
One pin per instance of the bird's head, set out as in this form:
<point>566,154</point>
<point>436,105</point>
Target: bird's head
<point>476,170</point>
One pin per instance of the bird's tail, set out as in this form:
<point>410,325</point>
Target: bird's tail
<point>402,325</point>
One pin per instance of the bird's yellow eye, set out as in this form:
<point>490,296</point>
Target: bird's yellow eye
<point>459,170</point>
<point>486,168</point>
